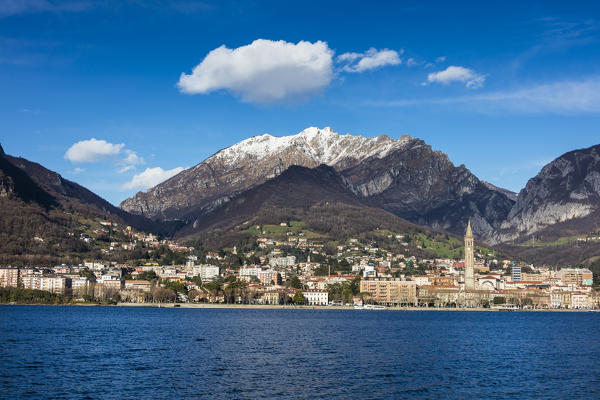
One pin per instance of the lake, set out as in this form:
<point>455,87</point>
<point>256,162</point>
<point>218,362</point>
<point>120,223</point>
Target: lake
<point>117,352</point>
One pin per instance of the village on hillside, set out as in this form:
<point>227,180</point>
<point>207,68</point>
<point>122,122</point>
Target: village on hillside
<point>299,268</point>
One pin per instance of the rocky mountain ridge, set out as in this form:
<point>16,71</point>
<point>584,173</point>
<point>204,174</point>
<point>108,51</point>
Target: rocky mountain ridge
<point>566,192</point>
<point>251,162</point>
<point>404,176</point>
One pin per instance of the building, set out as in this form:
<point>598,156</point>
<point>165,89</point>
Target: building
<point>469,259</point>
<point>206,272</point>
<point>576,277</point>
<point>390,291</point>
<point>9,277</point>
<point>80,285</point>
<point>516,273</point>
<point>316,297</point>
<point>53,284</point>
<point>141,285</point>
<point>269,276</point>
<point>284,262</point>
<point>112,284</point>
<point>248,272</point>
<point>31,282</point>
<point>581,300</point>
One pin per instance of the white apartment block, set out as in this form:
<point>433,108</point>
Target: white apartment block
<point>53,284</point>
<point>206,272</point>
<point>316,297</point>
<point>80,285</point>
<point>250,271</point>
<point>9,277</point>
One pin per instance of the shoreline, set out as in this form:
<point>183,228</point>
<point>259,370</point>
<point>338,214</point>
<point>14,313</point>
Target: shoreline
<point>286,307</point>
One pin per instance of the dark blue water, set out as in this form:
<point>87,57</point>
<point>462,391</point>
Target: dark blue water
<point>115,353</point>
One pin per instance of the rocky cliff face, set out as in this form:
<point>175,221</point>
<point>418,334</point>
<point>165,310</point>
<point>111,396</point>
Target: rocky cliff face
<point>403,176</point>
<point>566,190</point>
<point>424,187</point>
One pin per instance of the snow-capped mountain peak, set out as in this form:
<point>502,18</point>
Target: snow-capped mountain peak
<point>322,146</point>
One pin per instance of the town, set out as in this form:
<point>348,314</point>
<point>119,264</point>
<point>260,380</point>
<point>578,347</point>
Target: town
<point>302,270</point>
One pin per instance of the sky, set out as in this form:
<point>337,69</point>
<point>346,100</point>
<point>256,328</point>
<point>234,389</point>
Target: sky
<point>119,95</point>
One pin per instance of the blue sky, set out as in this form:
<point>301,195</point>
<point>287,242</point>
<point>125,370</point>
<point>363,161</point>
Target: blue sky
<point>503,88</point>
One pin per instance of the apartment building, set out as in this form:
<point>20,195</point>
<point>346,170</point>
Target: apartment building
<point>9,277</point>
<point>390,291</point>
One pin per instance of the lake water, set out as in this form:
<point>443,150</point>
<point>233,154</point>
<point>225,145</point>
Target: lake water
<point>143,353</point>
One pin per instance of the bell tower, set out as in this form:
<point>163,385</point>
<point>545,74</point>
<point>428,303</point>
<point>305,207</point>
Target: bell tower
<point>469,259</point>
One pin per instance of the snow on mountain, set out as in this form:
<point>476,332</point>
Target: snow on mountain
<point>251,162</point>
<point>323,146</point>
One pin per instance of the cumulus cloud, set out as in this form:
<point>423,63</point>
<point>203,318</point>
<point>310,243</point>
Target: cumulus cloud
<point>151,177</point>
<point>371,59</point>
<point>263,71</point>
<point>92,150</point>
<point>132,158</point>
<point>454,73</point>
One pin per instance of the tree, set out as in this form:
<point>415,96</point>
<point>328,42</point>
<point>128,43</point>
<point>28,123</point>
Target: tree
<point>193,295</point>
<point>148,276</point>
<point>364,295</point>
<point>299,298</point>
<point>347,296</point>
<point>499,300</point>
<point>175,286</point>
<point>197,280</point>
<point>295,282</point>
<point>162,294</point>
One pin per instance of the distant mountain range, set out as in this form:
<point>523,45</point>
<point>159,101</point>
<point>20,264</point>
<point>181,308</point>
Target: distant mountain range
<point>404,177</point>
<point>340,184</point>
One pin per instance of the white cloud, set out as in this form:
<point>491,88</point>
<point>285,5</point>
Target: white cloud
<point>454,73</point>
<point>126,168</point>
<point>440,59</point>
<point>371,59</point>
<point>411,62</point>
<point>564,97</point>
<point>151,177</point>
<point>78,170</point>
<point>132,158</point>
<point>263,71</point>
<point>92,150</point>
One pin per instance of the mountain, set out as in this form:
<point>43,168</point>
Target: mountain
<point>41,214</point>
<point>319,199</point>
<point>424,187</point>
<point>509,193</point>
<point>404,176</point>
<point>251,162</point>
<point>54,186</point>
<point>562,200</point>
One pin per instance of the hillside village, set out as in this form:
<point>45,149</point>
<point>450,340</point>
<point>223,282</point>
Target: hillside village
<point>286,264</point>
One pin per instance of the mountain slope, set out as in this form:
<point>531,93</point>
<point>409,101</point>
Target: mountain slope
<point>424,187</point>
<point>403,176</point>
<point>60,189</point>
<point>43,215</point>
<point>563,199</point>
<point>319,198</point>
<point>249,163</point>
